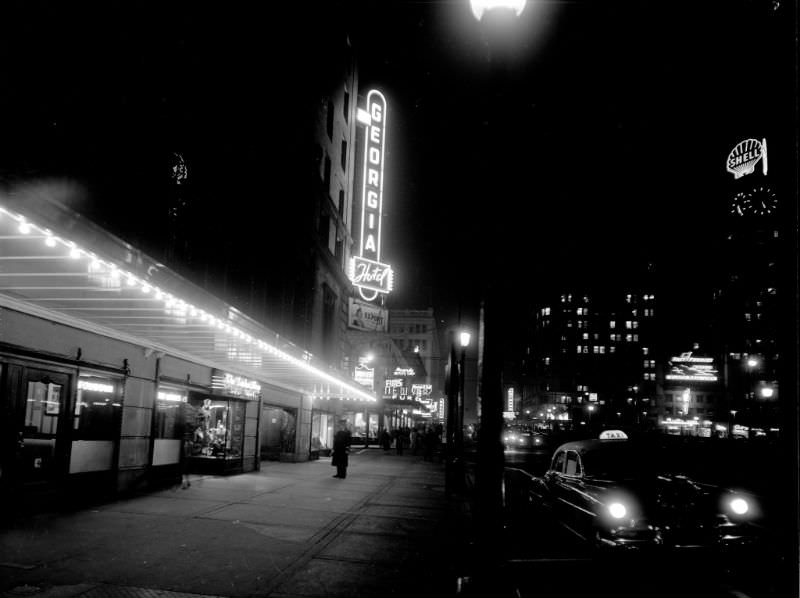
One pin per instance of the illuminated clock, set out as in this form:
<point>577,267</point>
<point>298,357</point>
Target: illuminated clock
<point>761,201</point>
<point>764,201</point>
<point>741,204</point>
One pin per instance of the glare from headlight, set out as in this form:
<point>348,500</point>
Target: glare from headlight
<point>739,506</point>
<point>617,510</point>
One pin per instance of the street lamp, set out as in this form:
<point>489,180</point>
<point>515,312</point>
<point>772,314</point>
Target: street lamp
<point>752,363</point>
<point>481,7</point>
<point>464,338</point>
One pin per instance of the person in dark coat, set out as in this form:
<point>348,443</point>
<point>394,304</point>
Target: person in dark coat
<point>341,447</point>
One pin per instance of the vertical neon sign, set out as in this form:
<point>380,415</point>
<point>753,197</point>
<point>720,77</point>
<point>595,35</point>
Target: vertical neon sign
<point>368,274</point>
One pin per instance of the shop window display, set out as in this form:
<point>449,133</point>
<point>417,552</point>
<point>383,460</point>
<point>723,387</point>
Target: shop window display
<point>219,429</point>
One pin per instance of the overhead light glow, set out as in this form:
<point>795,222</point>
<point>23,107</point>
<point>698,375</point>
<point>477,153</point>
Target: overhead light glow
<point>480,7</point>
<point>50,241</point>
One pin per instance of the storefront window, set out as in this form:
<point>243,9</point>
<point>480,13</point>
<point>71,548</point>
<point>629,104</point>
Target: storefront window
<point>373,426</point>
<point>219,430</point>
<point>321,431</point>
<point>95,424</point>
<point>170,413</point>
<point>98,410</point>
<point>171,421</point>
<point>359,427</point>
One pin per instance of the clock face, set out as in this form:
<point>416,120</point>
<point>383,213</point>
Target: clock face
<point>761,201</point>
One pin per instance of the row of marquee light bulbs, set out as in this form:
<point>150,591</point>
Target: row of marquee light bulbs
<point>26,227</point>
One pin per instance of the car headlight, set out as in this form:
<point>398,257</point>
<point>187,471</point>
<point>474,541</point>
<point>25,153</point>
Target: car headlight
<point>537,440</point>
<point>617,510</point>
<point>739,506</point>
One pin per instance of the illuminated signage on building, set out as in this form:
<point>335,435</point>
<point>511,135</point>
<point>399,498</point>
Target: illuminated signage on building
<point>689,368</point>
<point>421,390</point>
<point>237,386</point>
<point>441,409</point>
<point>95,387</point>
<point>365,376</point>
<point>743,158</point>
<point>510,395</point>
<point>403,372</point>
<point>368,274</point>
<point>164,395</point>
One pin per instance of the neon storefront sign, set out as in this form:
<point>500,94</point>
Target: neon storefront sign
<point>368,274</point>
<point>237,386</point>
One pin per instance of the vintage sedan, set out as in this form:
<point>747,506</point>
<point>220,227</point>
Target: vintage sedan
<point>617,493</point>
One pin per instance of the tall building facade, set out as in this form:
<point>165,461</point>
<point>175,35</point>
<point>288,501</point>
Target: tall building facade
<point>746,300</point>
<point>589,357</point>
<point>415,331</point>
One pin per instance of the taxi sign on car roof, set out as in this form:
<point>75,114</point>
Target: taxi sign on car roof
<point>613,435</point>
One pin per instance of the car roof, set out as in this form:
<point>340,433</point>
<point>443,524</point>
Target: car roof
<point>588,445</point>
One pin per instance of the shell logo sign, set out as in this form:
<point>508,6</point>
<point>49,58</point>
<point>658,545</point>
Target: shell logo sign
<point>366,271</point>
<point>743,158</point>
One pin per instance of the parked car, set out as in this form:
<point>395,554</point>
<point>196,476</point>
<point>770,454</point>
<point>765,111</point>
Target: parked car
<point>617,493</point>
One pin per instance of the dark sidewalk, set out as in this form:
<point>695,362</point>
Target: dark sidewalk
<point>289,530</point>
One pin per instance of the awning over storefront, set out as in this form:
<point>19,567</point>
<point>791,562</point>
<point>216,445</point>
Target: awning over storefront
<point>57,265</point>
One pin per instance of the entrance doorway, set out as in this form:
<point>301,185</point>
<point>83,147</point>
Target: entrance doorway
<point>36,430</point>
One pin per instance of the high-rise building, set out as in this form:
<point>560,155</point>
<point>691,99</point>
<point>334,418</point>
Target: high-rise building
<point>746,306</point>
<point>589,357</point>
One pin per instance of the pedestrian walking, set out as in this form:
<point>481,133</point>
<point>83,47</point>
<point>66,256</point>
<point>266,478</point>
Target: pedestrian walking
<point>414,437</point>
<point>341,448</point>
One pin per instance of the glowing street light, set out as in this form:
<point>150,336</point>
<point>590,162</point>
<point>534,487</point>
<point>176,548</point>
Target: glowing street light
<point>481,7</point>
<point>767,392</point>
<point>464,338</point>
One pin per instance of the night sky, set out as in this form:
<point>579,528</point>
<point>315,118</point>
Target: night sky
<point>573,145</point>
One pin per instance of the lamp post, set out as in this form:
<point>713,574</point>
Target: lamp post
<point>730,423</point>
<point>490,461</point>
<point>464,338</point>
<point>751,364</point>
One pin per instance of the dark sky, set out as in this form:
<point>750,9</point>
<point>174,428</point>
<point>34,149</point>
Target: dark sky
<point>572,144</point>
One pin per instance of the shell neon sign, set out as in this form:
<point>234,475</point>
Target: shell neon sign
<point>365,270</point>
<point>743,158</point>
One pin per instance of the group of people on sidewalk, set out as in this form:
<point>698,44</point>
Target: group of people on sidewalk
<point>425,439</point>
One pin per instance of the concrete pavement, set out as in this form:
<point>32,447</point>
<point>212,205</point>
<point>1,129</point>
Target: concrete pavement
<point>289,530</point>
